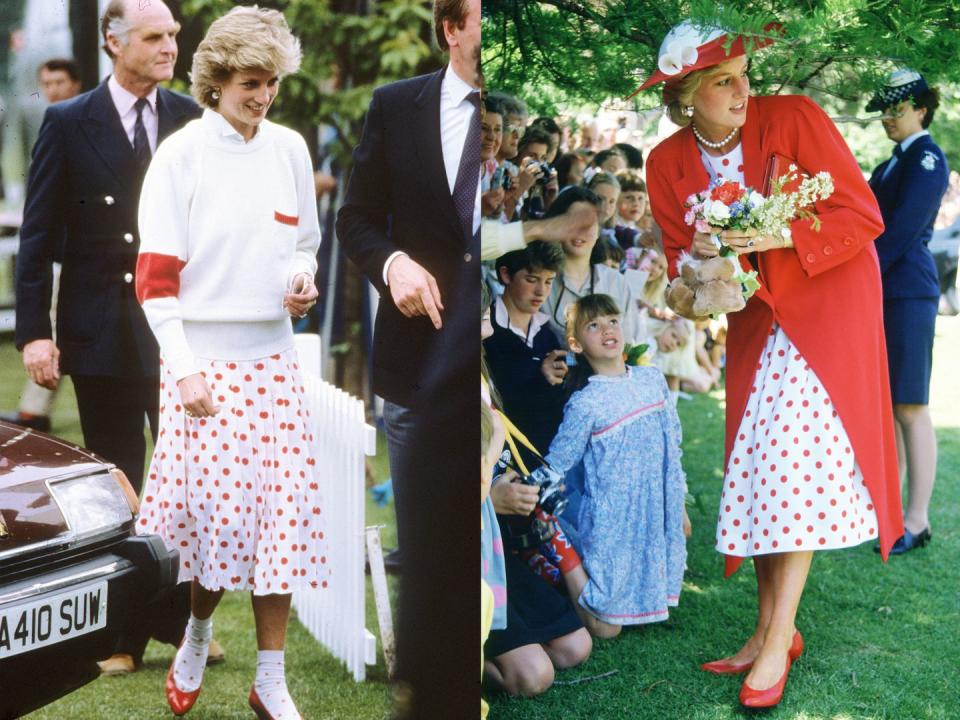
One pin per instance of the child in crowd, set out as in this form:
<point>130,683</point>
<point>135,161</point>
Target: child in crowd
<point>525,357</point>
<point>623,426</point>
<point>632,203</point>
<point>677,356</point>
<point>607,187</point>
<point>580,277</point>
<point>605,253</point>
<point>542,631</point>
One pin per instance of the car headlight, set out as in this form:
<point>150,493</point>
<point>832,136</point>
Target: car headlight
<point>93,503</point>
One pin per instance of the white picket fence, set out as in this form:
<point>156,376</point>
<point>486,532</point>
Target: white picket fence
<point>336,615</point>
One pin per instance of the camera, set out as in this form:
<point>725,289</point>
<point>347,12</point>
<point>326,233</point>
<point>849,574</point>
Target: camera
<point>545,174</point>
<point>501,179</point>
<point>530,531</point>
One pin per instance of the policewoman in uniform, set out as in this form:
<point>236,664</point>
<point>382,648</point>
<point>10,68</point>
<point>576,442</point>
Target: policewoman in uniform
<point>909,187</point>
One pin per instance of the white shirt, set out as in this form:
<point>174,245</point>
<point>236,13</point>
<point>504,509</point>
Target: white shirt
<point>502,316</point>
<point>456,114</point>
<point>904,144</point>
<point>124,100</point>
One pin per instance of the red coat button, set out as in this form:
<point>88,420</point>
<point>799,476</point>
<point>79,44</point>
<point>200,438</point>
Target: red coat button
<point>811,257</point>
<point>848,240</point>
<point>828,250</point>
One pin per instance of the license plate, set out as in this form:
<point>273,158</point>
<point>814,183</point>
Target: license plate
<point>52,620</point>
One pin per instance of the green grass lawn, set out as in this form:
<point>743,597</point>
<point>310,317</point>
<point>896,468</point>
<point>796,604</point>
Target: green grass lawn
<point>319,684</point>
<point>882,640</point>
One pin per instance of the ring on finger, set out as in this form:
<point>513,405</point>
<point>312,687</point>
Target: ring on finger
<point>750,243</point>
<point>190,413</point>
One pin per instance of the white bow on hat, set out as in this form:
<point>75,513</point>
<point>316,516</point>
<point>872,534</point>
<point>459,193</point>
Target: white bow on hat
<point>679,47</point>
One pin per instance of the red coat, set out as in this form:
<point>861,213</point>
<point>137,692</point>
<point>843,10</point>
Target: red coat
<point>825,293</point>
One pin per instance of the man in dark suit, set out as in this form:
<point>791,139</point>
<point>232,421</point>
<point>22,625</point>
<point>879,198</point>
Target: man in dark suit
<point>411,222</point>
<point>81,207</point>
<point>909,187</point>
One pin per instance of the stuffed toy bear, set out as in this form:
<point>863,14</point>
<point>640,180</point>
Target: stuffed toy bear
<point>706,288</point>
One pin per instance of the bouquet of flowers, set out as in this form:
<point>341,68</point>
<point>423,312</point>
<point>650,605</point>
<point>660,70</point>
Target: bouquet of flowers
<point>728,205</point>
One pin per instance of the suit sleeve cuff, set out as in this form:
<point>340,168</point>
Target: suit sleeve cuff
<point>386,266</point>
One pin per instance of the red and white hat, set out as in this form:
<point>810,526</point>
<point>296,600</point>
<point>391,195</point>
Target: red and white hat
<point>688,47</point>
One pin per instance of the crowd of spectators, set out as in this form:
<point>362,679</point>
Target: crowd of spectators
<point>538,170</point>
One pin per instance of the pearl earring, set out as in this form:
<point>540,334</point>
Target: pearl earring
<point>687,111</point>
<point>215,95</point>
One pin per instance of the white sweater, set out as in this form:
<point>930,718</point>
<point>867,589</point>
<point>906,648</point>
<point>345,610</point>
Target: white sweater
<point>225,225</point>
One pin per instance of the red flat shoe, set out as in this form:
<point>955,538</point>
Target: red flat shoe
<point>765,698</point>
<point>719,667</point>
<point>178,700</point>
<point>257,706</point>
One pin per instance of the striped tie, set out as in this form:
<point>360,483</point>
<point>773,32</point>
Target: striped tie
<point>141,146</point>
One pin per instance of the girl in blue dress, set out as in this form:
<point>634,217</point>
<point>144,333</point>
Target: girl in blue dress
<point>624,427</point>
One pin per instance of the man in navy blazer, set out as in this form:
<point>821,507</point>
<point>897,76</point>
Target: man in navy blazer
<point>81,208</point>
<point>909,187</point>
<point>411,222</point>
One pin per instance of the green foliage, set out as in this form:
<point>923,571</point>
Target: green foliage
<point>565,54</point>
<point>349,49</point>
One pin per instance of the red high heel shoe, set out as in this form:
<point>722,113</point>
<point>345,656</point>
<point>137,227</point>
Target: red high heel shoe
<point>719,667</point>
<point>765,698</point>
<point>257,706</point>
<point>178,700</point>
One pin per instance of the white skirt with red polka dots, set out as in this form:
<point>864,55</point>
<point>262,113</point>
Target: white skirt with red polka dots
<point>792,482</point>
<point>237,494</point>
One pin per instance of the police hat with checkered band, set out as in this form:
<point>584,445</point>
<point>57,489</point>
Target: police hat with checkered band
<point>902,84</point>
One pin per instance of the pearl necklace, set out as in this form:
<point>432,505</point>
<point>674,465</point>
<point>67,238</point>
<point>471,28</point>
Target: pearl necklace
<point>714,145</point>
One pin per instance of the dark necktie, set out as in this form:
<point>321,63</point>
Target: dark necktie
<point>141,146</point>
<point>468,174</point>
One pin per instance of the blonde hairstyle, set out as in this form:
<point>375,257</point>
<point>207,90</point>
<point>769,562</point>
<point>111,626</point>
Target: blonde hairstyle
<point>678,95</point>
<point>245,39</point>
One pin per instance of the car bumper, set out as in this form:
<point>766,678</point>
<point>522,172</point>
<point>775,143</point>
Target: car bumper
<point>125,578</point>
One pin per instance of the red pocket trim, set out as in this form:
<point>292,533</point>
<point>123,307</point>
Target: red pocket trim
<point>286,219</point>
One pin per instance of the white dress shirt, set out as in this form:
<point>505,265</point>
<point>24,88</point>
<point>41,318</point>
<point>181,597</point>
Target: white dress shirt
<point>456,114</point>
<point>124,100</point>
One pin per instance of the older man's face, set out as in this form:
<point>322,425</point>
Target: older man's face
<point>151,50</point>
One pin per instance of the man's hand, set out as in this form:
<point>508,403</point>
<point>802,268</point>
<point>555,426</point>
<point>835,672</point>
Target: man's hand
<point>414,290</point>
<point>195,396</point>
<point>554,367</point>
<point>41,358</point>
<point>580,221</point>
<point>512,497</point>
<point>302,295</point>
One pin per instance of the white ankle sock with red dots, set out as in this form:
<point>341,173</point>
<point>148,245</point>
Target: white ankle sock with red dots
<point>192,655</point>
<point>271,686</point>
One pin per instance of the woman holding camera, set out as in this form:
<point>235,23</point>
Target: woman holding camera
<point>810,454</point>
<point>229,235</point>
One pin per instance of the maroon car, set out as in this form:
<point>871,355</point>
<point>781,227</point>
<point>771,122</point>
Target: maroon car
<point>72,571</point>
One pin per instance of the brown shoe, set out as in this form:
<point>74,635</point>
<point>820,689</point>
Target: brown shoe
<point>215,653</point>
<point>118,664</point>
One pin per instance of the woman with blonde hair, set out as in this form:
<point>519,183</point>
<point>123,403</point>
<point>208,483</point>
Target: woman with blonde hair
<point>229,235</point>
<point>810,454</point>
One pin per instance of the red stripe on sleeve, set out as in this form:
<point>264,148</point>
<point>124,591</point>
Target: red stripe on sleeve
<point>286,219</point>
<point>158,276</point>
